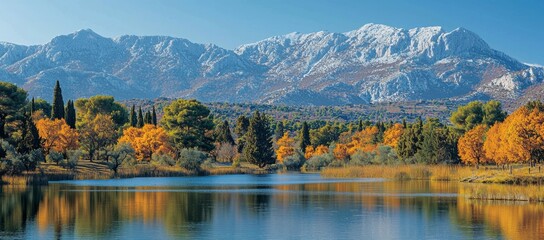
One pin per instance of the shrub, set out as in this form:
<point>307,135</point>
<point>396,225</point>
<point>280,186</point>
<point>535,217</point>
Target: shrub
<point>54,157</point>
<point>315,163</point>
<point>32,159</point>
<point>385,155</point>
<point>361,158</point>
<point>294,162</point>
<point>191,159</point>
<point>163,160</point>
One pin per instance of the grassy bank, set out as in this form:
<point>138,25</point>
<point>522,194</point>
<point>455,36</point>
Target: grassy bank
<point>530,193</point>
<point>99,170</point>
<point>520,175</point>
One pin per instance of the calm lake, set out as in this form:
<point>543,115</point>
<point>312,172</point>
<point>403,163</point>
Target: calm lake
<point>286,206</point>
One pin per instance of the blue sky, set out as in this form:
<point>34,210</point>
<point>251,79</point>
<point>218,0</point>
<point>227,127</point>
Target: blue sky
<point>515,27</point>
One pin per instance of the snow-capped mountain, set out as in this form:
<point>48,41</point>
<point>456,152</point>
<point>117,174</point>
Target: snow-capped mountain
<point>372,64</point>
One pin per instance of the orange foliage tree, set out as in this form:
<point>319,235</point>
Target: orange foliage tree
<point>319,150</point>
<point>285,147</point>
<point>147,140</point>
<point>392,135</point>
<point>56,135</point>
<point>495,144</point>
<point>470,146</point>
<point>341,151</point>
<point>363,140</point>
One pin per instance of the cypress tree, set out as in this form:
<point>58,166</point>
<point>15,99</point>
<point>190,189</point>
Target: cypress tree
<point>242,125</point>
<point>147,118</point>
<point>132,117</point>
<point>140,122</point>
<point>154,116</point>
<point>259,149</point>
<point>58,104</point>
<point>70,114</point>
<point>360,126</point>
<point>32,106</point>
<point>304,137</point>
<point>279,130</point>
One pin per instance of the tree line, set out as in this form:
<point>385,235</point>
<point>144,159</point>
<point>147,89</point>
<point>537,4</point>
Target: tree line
<point>187,134</point>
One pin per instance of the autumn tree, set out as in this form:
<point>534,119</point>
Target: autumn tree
<point>340,151</point>
<point>285,147</point>
<point>97,135</point>
<point>471,146</point>
<point>392,135</point>
<point>258,148</point>
<point>363,140</point>
<point>494,146</point>
<point>189,124</point>
<point>147,141</point>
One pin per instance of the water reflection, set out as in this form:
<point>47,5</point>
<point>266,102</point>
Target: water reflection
<point>269,208</point>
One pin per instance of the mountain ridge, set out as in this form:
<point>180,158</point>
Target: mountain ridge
<point>374,63</point>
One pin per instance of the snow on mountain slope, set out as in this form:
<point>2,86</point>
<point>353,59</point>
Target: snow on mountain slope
<point>371,64</point>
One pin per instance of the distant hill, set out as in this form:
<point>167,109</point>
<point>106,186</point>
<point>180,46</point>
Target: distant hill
<point>375,63</point>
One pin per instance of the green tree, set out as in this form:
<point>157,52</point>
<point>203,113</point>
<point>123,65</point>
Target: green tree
<point>410,140</point>
<point>278,133</point>
<point>154,116</point>
<point>325,135</point>
<point>188,122</point>
<point>493,113</point>
<point>133,120</point>
<point>12,100</point>
<point>258,148</point>
<point>70,114</point>
<point>140,122</point>
<point>304,137</point>
<point>58,103</point>
<point>40,104</point>
<point>223,134</point>
<point>89,108</point>
<point>242,125</point>
<point>30,139</point>
<point>147,118</point>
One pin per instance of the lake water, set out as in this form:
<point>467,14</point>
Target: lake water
<point>286,206</point>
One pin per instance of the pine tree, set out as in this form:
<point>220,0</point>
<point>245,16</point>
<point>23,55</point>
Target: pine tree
<point>140,122</point>
<point>242,125</point>
<point>58,104</point>
<point>70,114</point>
<point>223,134</point>
<point>279,130</point>
<point>133,120</point>
<point>148,119</point>
<point>259,149</point>
<point>30,139</point>
<point>154,116</point>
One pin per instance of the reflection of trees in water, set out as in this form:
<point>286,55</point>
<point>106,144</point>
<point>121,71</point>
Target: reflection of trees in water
<point>101,211</point>
<point>18,205</point>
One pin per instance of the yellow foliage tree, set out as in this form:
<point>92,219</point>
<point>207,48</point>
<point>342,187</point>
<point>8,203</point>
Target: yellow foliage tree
<point>147,140</point>
<point>494,145</point>
<point>363,140</point>
<point>392,135</point>
<point>319,150</point>
<point>470,146</point>
<point>285,147</point>
<point>56,135</point>
<point>97,135</point>
<point>341,151</point>
<point>309,152</point>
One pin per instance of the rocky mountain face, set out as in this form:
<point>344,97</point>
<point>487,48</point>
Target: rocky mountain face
<point>375,63</point>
